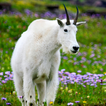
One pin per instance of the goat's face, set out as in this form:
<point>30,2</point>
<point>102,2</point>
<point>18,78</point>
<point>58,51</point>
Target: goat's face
<point>67,37</point>
<point>67,33</point>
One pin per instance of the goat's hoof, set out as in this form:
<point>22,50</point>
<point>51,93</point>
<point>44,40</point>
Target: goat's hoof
<point>31,104</point>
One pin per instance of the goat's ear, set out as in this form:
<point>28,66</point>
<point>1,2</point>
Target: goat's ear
<point>80,23</point>
<point>60,22</point>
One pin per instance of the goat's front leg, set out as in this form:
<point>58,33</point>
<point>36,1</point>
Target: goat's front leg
<point>53,82</point>
<point>29,90</point>
<point>18,81</point>
<point>51,90</point>
<point>41,88</point>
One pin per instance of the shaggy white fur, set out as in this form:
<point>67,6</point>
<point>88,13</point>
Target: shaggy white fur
<point>36,59</point>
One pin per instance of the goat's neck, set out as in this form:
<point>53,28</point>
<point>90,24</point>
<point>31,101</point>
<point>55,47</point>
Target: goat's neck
<point>52,44</point>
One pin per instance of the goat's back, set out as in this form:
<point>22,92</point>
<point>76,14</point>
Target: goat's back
<point>31,42</point>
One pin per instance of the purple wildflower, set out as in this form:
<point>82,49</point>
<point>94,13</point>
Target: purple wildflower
<point>77,101</point>
<point>5,76</point>
<point>1,73</point>
<point>65,57</point>
<point>79,71</point>
<point>36,15</point>
<point>28,12</point>
<point>8,103</point>
<point>92,84</point>
<point>79,54</point>
<point>3,81</point>
<point>3,98</point>
<point>7,72</point>
<point>20,96</point>
<point>70,104</point>
<point>92,55</point>
<point>84,86</point>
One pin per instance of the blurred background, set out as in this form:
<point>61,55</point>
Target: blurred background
<point>89,7</point>
<point>52,9</point>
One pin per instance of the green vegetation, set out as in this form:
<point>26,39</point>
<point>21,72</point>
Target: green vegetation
<point>83,83</point>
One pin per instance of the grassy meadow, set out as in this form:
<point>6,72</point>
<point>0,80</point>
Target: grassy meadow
<point>82,77</point>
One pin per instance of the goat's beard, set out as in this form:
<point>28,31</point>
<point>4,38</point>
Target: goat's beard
<point>66,49</point>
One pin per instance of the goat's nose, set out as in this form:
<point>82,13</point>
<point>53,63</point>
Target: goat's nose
<point>75,48</point>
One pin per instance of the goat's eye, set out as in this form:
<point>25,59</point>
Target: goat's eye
<point>65,30</point>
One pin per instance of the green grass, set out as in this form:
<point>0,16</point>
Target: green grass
<point>91,58</point>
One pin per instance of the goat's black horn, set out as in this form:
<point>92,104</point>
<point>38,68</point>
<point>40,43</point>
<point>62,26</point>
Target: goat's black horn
<point>76,18</point>
<point>68,20</point>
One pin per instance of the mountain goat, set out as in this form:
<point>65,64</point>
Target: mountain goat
<point>36,58</point>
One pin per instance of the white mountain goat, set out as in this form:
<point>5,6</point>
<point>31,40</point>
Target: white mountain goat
<point>36,58</point>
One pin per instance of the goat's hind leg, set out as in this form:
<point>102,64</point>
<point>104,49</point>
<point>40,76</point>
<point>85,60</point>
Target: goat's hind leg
<point>18,81</point>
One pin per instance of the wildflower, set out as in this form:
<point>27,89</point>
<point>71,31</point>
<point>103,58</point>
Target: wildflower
<point>36,15</point>
<point>3,81</point>
<point>20,96</point>
<point>0,78</point>
<point>3,98</point>
<point>76,93</point>
<point>92,84</point>
<point>51,103</point>
<point>84,102</point>
<point>77,101</point>
<point>104,80</point>
<point>28,12</point>
<point>104,72</point>
<point>8,103</point>
<point>7,72</point>
<point>62,71</point>
<point>7,93</point>
<point>61,88</point>
<point>84,86</point>
<point>70,104</point>
<point>14,92</point>
<point>79,71</point>
<point>65,57</point>
<point>24,27</point>
<point>88,96</point>
<point>92,55</point>
<point>5,76</point>
<point>101,69</point>
<point>1,73</point>
<point>101,81</point>
<point>70,91</point>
